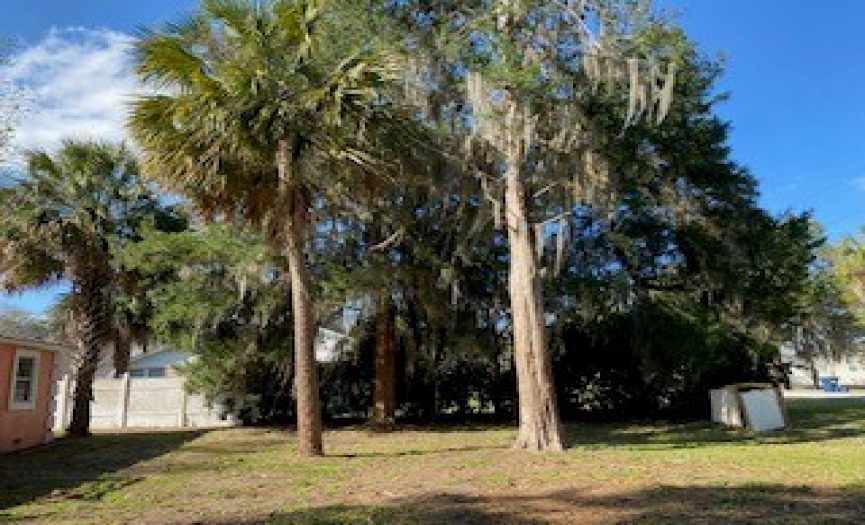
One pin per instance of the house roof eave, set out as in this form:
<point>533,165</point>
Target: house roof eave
<point>34,343</point>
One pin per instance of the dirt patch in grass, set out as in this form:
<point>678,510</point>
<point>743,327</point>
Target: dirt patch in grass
<point>652,473</point>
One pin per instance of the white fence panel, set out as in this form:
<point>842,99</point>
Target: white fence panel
<point>144,403</point>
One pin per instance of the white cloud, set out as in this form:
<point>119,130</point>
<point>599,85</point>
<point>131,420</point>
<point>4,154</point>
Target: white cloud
<point>79,82</point>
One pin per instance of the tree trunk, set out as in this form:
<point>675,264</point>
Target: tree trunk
<point>540,428</point>
<point>309,428</point>
<point>122,347</point>
<point>89,310</point>
<point>384,391</point>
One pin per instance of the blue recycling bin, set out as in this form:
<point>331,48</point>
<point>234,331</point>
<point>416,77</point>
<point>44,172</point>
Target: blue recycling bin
<point>830,384</point>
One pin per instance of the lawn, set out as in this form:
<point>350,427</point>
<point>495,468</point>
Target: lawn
<point>652,473</point>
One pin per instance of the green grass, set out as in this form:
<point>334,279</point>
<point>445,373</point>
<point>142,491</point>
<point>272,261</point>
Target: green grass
<point>648,473</point>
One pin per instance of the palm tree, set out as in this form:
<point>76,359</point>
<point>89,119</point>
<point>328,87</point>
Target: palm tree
<point>262,109</point>
<point>61,221</point>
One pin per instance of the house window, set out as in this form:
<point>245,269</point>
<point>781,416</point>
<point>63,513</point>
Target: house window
<point>147,372</point>
<point>25,376</point>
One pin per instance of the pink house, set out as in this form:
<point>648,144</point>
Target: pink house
<point>27,378</point>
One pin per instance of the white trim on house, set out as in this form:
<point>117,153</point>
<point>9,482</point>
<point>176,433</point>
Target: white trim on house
<point>30,402</point>
<point>327,342</point>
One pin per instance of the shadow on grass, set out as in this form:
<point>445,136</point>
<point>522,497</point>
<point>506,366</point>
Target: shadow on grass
<point>811,421</point>
<point>81,469</point>
<point>439,427</point>
<point>415,452</point>
<point>756,504</point>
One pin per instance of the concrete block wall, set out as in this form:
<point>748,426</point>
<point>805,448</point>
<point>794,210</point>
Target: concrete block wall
<point>143,403</point>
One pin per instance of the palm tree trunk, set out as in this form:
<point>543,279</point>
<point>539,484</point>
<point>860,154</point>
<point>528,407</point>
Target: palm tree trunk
<point>89,311</point>
<point>540,428</point>
<point>309,428</point>
<point>384,391</point>
<point>122,347</point>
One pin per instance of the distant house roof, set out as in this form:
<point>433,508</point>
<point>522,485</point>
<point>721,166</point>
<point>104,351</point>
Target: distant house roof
<point>159,359</point>
<point>33,343</point>
<point>343,319</point>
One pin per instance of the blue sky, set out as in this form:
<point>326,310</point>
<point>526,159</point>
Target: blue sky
<point>796,76</point>
<point>794,70</point>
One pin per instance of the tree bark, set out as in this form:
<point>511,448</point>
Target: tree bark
<point>122,347</point>
<point>540,428</point>
<point>89,310</point>
<point>309,427</point>
<point>384,391</point>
